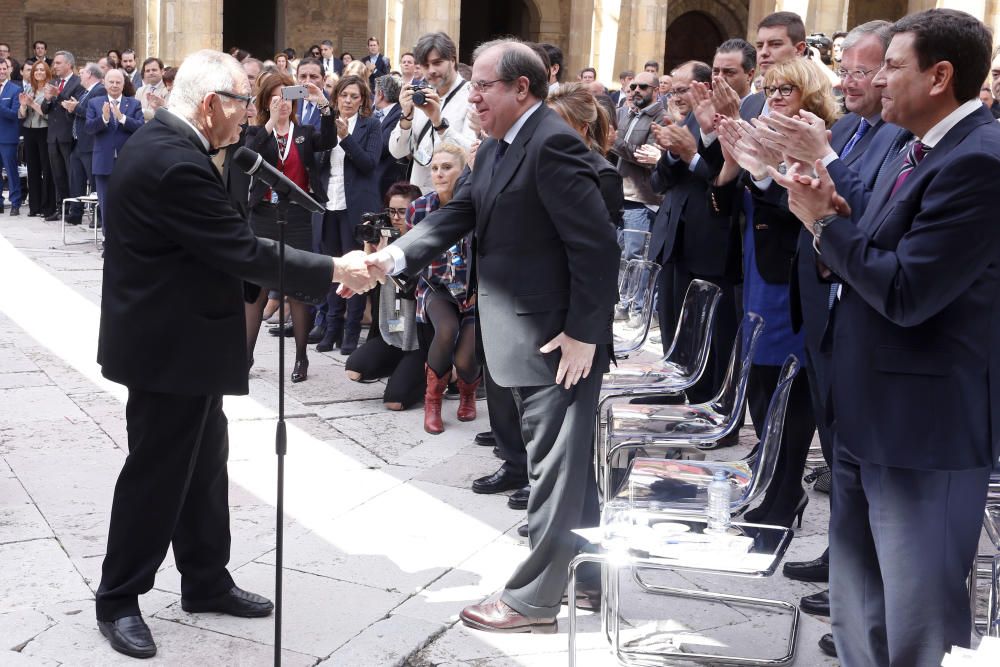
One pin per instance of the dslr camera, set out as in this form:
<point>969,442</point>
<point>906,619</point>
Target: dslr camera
<point>374,227</point>
<point>419,98</point>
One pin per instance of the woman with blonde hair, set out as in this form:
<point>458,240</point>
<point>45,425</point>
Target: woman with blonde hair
<point>770,239</point>
<point>578,107</point>
<point>446,301</point>
<point>355,68</point>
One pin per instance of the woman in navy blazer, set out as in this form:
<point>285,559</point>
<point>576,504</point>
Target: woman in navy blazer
<point>290,147</point>
<point>351,184</point>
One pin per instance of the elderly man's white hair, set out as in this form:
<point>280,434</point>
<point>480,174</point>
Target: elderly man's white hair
<point>201,73</point>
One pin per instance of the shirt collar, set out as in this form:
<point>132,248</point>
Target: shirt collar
<point>944,126</point>
<point>204,141</point>
<point>519,123</point>
<point>874,119</point>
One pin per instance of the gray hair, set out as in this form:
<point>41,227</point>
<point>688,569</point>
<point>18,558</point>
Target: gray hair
<point>517,59</point>
<point>881,29</point>
<point>435,41</point>
<point>201,73</point>
<point>390,87</point>
<point>70,58</point>
<point>94,70</point>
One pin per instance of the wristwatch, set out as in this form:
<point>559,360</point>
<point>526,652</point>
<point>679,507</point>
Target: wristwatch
<point>443,126</point>
<point>818,226</point>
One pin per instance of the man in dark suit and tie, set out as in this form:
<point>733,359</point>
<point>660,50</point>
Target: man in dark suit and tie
<point>547,264</point>
<point>111,120</point>
<point>377,64</point>
<point>177,234</point>
<point>132,71</point>
<point>65,86</point>
<point>915,351</point>
<point>331,63</point>
<point>387,112</point>
<point>10,130</point>
<point>81,172</point>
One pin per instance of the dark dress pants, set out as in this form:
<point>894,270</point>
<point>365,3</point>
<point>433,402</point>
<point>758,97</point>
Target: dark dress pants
<point>59,159</point>
<point>902,543</point>
<point>81,174</point>
<point>173,488</point>
<point>558,429</point>
<point>338,240</point>
<point>506,426</point>
<point>41,191</point>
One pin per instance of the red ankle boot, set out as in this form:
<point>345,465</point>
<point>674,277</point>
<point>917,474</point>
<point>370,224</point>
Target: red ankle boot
<point>432,401</point>
<point>467,399</point>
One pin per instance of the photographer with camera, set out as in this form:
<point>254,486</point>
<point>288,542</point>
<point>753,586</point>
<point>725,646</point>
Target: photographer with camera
<point>434,111</point>
<point>290,147</point>
<point>350,182</point>
<point>445,300</point>
<point>396,346</point>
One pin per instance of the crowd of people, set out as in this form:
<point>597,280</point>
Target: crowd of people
<point>771,171</point>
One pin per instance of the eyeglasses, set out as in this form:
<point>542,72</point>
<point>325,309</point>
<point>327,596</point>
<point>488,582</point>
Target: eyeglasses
<point>784,90</point>
<point>396,212</point>
<point>683,90</point>
<point>855,74</point>
<point>483,86</point>
<point>640,86</point>
<point>247,99</point>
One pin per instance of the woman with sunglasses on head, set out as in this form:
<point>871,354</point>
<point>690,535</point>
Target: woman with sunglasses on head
<point>770,238</point>
<point>290,147</point>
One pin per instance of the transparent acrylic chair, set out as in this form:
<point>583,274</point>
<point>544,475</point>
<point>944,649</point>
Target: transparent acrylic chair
<point>681,425</point>
<point>637,240</point>
<point>636,289</point>
<point>988,565</point>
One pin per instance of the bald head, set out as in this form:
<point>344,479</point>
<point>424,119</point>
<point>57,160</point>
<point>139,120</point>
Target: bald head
<point>645,89</point>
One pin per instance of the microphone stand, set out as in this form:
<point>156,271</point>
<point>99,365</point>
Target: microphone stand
<point>280,436</point>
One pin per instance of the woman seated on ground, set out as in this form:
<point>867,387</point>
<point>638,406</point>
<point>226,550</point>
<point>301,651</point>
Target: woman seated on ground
<point>445,300</point>
<point>291,148</point>
<point>396,346</point>
<point>770,239</point>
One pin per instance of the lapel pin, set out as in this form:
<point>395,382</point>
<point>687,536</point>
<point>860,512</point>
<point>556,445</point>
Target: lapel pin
<point>300,139</point>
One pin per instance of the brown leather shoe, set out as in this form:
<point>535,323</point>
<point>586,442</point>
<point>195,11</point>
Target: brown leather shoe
<point>495,615</point>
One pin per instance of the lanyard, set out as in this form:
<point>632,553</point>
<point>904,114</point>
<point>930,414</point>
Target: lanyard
<point>288,143</point>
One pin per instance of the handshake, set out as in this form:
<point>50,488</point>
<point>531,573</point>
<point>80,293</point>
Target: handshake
<point>357,272</point>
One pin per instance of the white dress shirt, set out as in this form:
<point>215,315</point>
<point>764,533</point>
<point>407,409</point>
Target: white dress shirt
<point>336,194</point>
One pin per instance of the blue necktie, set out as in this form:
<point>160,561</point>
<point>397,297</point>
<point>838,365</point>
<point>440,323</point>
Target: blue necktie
<point>379,115</point>
<point>862,130</point>
<point>502,147</point>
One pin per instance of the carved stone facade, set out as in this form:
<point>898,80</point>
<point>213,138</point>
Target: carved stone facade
<point>610,35</point>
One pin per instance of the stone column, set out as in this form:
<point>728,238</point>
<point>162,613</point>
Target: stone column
<point>758,10</point>
<point>172,29</point>
<point>582,29</point>
<point>604,44</point>
<point>641,38</point>
<point>423,16</point>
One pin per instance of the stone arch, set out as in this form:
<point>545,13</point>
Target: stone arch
<point>729,15</point>
<point>483,20</point>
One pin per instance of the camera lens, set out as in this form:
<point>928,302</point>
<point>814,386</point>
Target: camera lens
<point>419,98</point>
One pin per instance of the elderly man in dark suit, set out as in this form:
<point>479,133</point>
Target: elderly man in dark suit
<point>64,86</point>
<point>81,171</point>
<point>178,234</point>
<point>915,339</point>
<point>547,267</point>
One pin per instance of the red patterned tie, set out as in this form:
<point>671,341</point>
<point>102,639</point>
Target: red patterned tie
<point>918,151</point>
<point>62,82</point>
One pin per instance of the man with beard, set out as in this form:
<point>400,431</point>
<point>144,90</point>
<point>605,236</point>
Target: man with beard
<point>641,202</point>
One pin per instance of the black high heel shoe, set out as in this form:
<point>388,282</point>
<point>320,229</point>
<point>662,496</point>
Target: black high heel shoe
<point>770,516</point>
<point>301,370</point>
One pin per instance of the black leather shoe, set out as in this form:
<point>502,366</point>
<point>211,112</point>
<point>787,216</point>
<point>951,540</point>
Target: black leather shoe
<point>316,335</point>
<point>817,570</point>
<point>350,342</point>
<point>74,221</point>
<point>522,530</point>
<point>501,480</point>
<point>15,211</point>
<point>289,330</point>
<point>519,499</point>
<point>817,604</point>
<point>236,602</point>
<point>496,453</point>
<point>53,217</point>
<point>129,635</point>
<point>827,646</point>
<point>486,439</point>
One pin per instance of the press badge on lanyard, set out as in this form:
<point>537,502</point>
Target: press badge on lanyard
<point>283,151</point>
<point>395,321</point>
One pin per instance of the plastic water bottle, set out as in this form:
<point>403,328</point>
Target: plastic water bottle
<point>719,490</point>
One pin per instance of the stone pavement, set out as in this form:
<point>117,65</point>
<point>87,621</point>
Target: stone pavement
<point>385,542</point>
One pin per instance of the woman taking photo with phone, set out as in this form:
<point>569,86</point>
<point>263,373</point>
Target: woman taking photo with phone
<point>290,147</point>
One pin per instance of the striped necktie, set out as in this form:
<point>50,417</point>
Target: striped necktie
<point>918,151</point>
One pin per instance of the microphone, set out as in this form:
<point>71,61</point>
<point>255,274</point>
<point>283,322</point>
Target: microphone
<point>253,164</point>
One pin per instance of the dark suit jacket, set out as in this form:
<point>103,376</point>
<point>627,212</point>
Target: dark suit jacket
<point>612,189</point>
<point>60,120</point>
<point>180,249</point>
<point>307,140</point>
<point>917,330</point>
<point>362,149</point>
<point>546,254</point>
<point>84,139</point>
<point>685,228</point>
<point>111,137</point>
<point>10,125</point>
<point>389,170</point>
<point>382,68</point>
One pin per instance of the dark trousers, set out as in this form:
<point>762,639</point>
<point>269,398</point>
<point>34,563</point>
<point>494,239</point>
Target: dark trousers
<point>59,159</point>
<point>902,543</point>
<point>173,488</point>
<point>338,240</point>
<point>102,188</point>
<point>786,487</point>
<point>41,189</point>
<point>8,158</point>
<point>558,428</point>
<point>81,174</point>
<point>506,426</point>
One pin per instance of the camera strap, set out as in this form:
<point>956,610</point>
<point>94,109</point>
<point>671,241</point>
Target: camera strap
<point>428,127</point>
